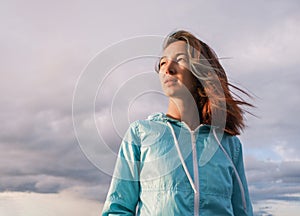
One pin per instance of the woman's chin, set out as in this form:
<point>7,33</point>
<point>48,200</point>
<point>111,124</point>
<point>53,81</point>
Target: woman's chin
<point>169,92</point>
<point>178,93</point>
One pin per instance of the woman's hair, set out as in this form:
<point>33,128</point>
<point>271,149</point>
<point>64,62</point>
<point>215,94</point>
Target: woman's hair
<point>212,94</point>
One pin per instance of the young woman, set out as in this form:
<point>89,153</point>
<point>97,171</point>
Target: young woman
<point>189,160</point>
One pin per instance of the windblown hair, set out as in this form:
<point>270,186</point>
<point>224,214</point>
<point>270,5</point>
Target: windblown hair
<point>212,94</point>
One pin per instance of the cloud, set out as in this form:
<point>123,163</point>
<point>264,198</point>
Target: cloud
<point>45,47</point>
<point>273,179</point>
<point>35,204</point>
<point>276,208</point>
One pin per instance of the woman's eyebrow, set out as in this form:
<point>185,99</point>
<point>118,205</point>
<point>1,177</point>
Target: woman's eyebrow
<point>177,54</point>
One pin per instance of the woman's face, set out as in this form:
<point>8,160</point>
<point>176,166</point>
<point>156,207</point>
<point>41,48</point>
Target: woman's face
<point>174,74</point>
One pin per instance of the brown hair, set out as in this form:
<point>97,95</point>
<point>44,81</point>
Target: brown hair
<point>212,95</point>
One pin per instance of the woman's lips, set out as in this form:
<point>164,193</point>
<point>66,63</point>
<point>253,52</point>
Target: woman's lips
<point>170,80</point>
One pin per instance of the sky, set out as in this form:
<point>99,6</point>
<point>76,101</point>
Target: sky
<point>62,61</point>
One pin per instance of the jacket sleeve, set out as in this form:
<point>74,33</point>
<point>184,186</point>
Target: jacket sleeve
<point>123,194</point>
<point>237,199</point>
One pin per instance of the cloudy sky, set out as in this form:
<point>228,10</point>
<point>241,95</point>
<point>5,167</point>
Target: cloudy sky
<point>54,53</point>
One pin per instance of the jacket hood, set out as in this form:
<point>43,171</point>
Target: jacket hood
<point>162,117</point>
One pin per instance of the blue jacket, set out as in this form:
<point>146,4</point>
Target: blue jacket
<point>164,168</point>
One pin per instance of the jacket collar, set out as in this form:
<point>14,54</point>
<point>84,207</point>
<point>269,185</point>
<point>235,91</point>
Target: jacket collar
<point>162,117</point>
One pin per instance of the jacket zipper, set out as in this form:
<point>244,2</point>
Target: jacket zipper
<point>195,183</point>
<point>196,175</point>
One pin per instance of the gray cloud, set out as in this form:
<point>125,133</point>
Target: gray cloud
<point>44,48</point>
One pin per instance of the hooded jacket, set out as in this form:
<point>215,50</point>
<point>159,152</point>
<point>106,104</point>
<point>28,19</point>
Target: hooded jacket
<point>164,168</point>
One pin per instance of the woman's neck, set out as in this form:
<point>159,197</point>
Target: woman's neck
<point>186,111</point>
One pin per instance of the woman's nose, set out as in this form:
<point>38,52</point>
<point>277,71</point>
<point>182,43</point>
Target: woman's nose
<point>169,67</point>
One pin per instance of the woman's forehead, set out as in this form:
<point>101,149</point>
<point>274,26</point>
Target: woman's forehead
<point>175,48</point>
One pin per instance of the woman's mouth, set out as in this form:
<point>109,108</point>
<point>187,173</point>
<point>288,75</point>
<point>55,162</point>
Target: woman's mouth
<point>170,80</point>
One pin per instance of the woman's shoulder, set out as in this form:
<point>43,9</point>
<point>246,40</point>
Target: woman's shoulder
<point>233,144</point>
<point>157,117</point>
<point>232,140</point>
<point>154,122</point>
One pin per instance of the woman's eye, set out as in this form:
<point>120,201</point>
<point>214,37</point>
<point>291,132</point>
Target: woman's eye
<point>162,63</point>
<point>181,59</point>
